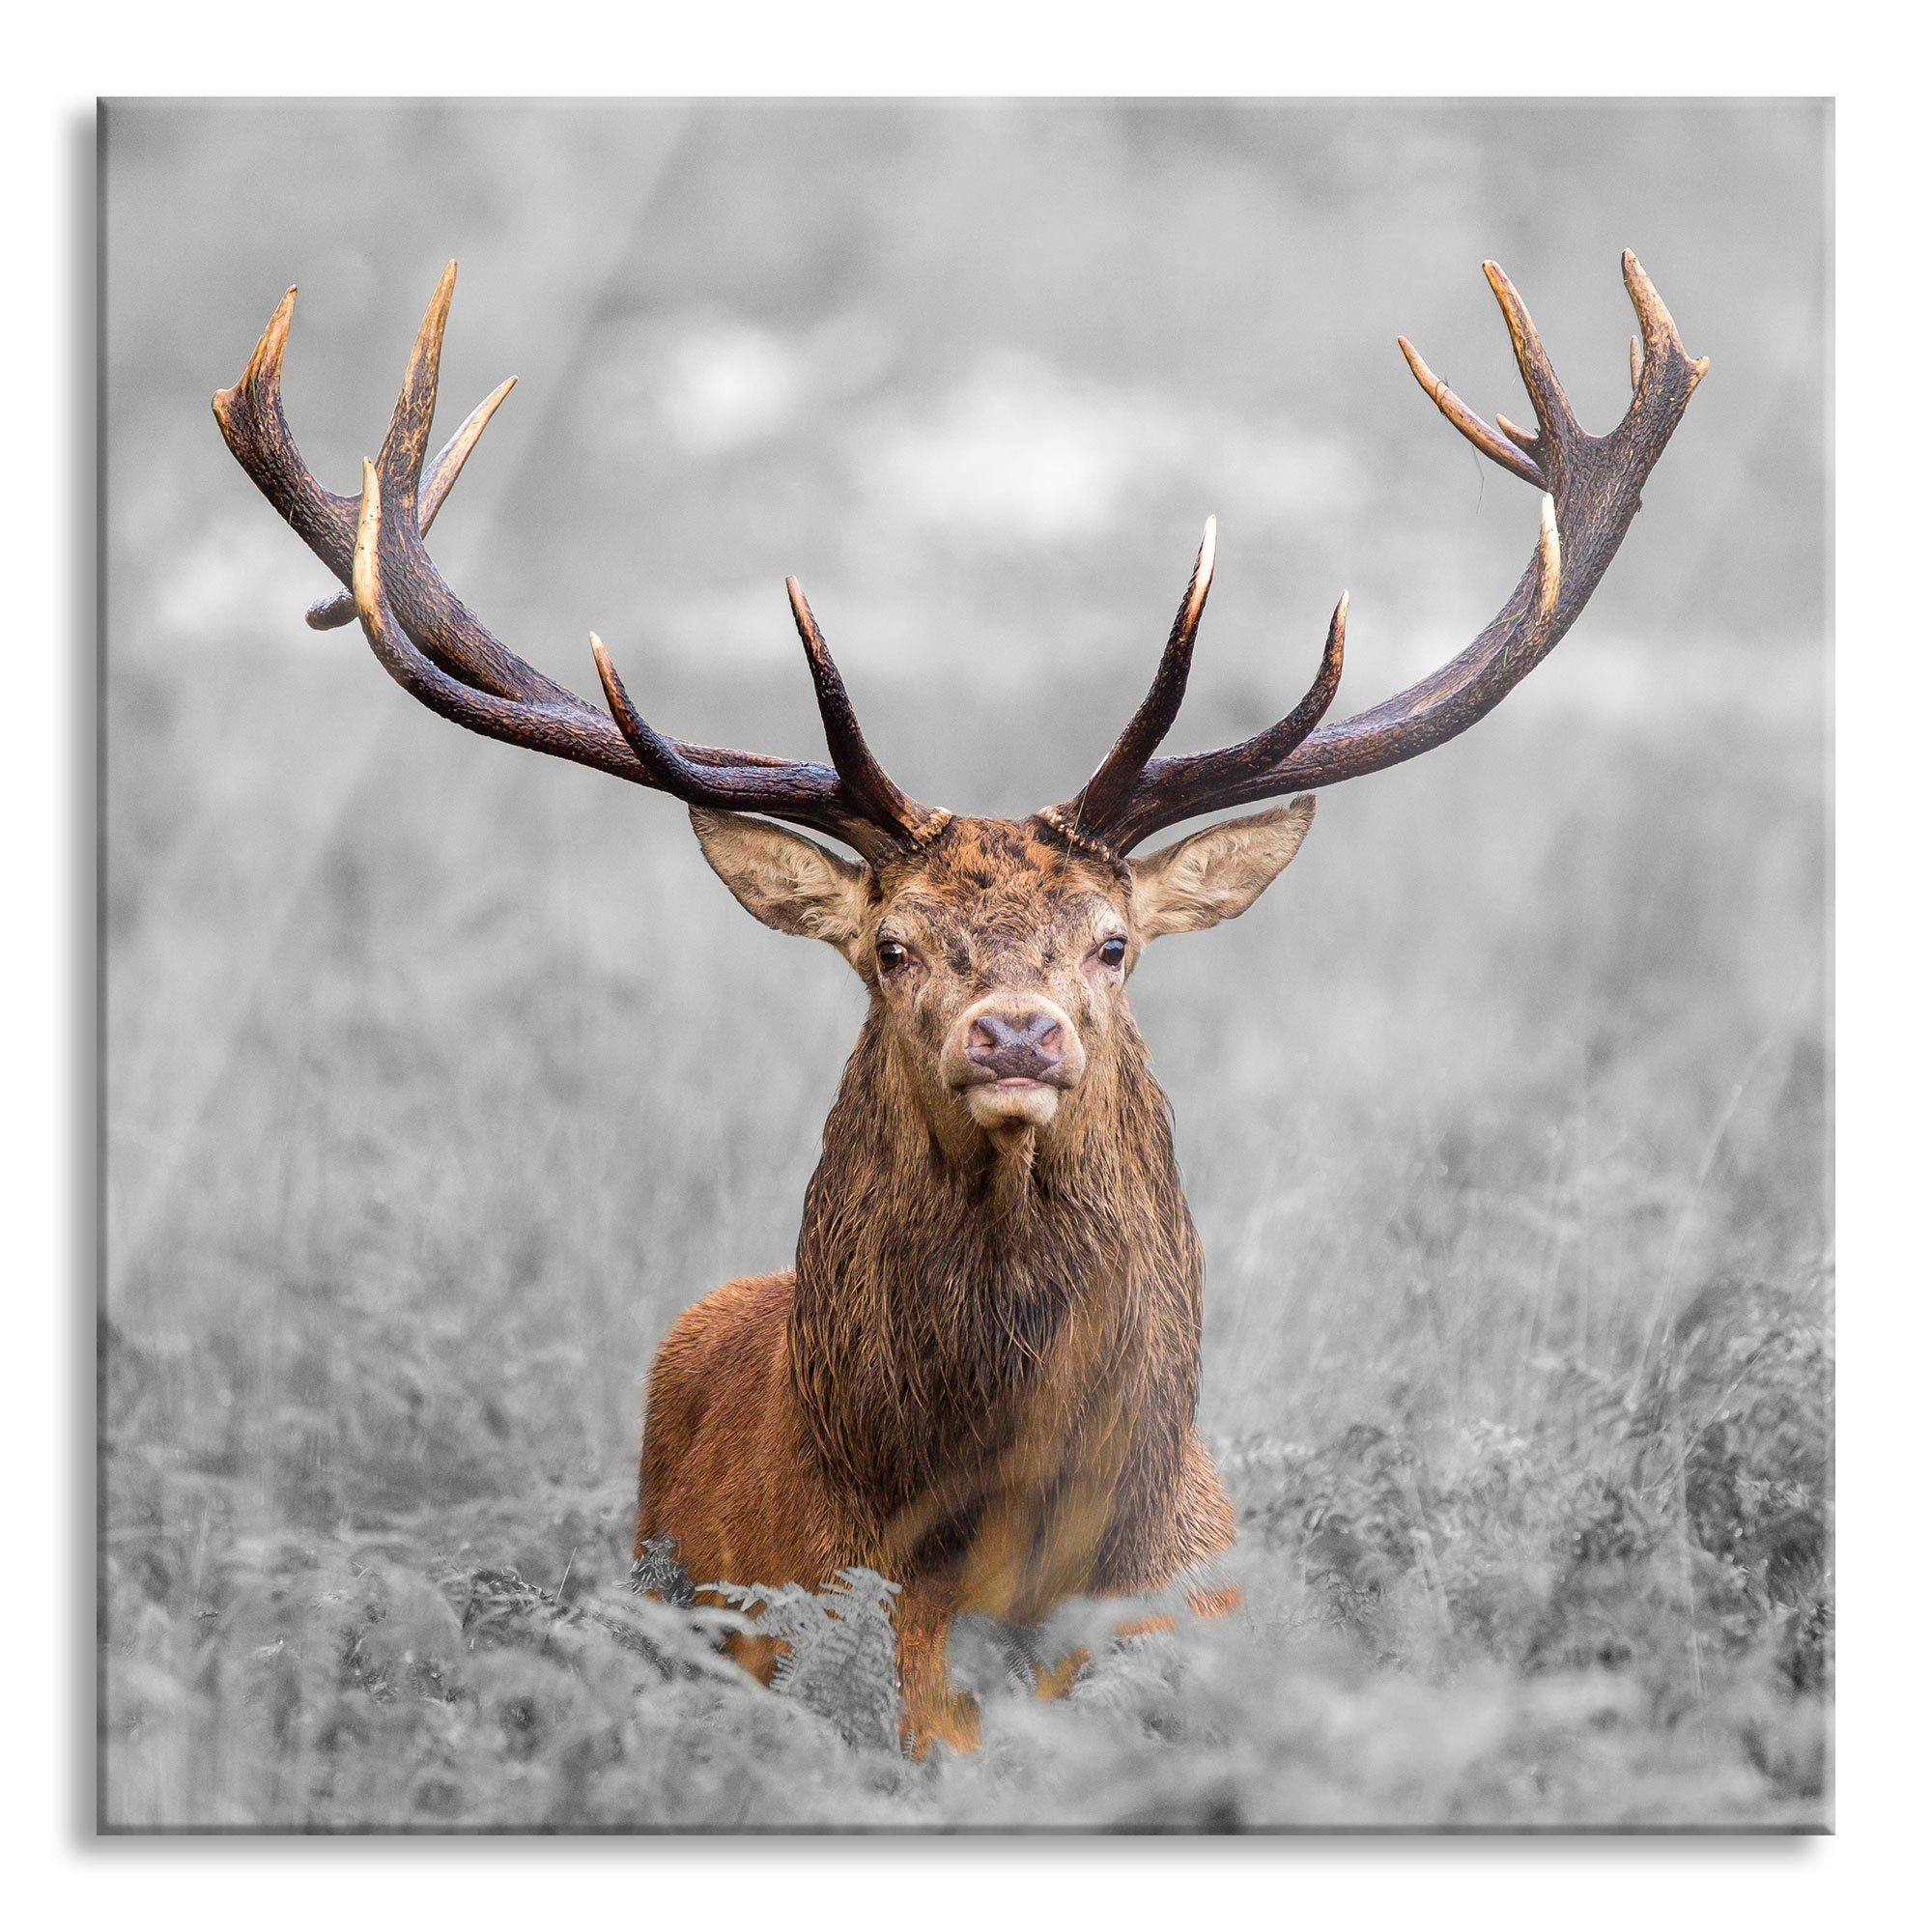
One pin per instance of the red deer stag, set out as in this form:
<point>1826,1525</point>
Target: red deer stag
<point>979,1378</point>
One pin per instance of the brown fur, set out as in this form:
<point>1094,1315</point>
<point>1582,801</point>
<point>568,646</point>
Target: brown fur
<point>980,1379</point>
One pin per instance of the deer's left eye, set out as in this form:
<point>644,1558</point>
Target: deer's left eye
<point>1112,952</point>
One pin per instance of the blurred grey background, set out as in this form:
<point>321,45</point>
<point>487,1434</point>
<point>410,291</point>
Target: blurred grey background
<point>440,1076</point>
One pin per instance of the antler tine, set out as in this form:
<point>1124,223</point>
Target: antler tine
<point>256,430</point>
<point>328,614</point>
<point>1177,788</point>
<point>1545,582</point>
<point>1105,796</point>
<point>669,772</point>
<point>862,773</point>
<point>1466,420</point>
<point>1556,421</point>
<point>428,609</point>
<point>1662,343</point>
<point>404,449</point>
<point>808,794</point>
<point>694,781</point>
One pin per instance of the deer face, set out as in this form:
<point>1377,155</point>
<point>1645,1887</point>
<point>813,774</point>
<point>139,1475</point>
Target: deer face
<point>997,955</point>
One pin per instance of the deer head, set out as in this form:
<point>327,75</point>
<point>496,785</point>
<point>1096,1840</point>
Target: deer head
<point>996,952</point>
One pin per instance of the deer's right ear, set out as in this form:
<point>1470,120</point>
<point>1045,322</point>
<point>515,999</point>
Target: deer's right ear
<point>789,883</point>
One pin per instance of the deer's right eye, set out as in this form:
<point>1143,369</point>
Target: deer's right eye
<point>893,956</point>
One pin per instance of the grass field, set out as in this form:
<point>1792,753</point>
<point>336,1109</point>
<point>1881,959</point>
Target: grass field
<point>440,1078</point>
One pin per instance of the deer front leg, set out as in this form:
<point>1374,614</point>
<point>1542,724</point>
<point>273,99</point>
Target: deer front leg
<point>934,1711</point>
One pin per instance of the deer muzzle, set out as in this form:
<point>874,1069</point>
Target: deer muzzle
<point>1010,1057</point>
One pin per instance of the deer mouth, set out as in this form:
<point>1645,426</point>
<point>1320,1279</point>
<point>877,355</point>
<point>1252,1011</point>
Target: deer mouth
<point>1012,1102</point>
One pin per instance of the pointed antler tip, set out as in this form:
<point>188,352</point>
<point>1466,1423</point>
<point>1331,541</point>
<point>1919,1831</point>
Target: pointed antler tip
<point>436,319</point>
<point>652,751</point>
<point>1332,651</point>
<point>1659,332</point>
<point>265,364</point>
<point>1433,385</point>
<point>1523,439</point>
<point>801,615</point>
<point>284,309</point>
<point>607,676</point>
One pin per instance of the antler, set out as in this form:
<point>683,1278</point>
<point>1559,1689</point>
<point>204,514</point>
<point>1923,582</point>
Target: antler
<point>438,652</point>
<point>329,613</point>
<point>1591,487</point>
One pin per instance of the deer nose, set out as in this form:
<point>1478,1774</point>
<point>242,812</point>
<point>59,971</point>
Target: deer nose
<point>1025,1047</point>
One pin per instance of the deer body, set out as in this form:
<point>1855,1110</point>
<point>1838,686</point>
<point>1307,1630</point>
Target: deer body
<point>979,1377</point>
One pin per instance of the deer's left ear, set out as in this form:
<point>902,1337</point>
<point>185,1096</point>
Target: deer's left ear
<point>1217,873</point>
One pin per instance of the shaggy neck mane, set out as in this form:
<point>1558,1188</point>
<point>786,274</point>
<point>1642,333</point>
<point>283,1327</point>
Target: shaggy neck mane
<point>949,1309</point>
